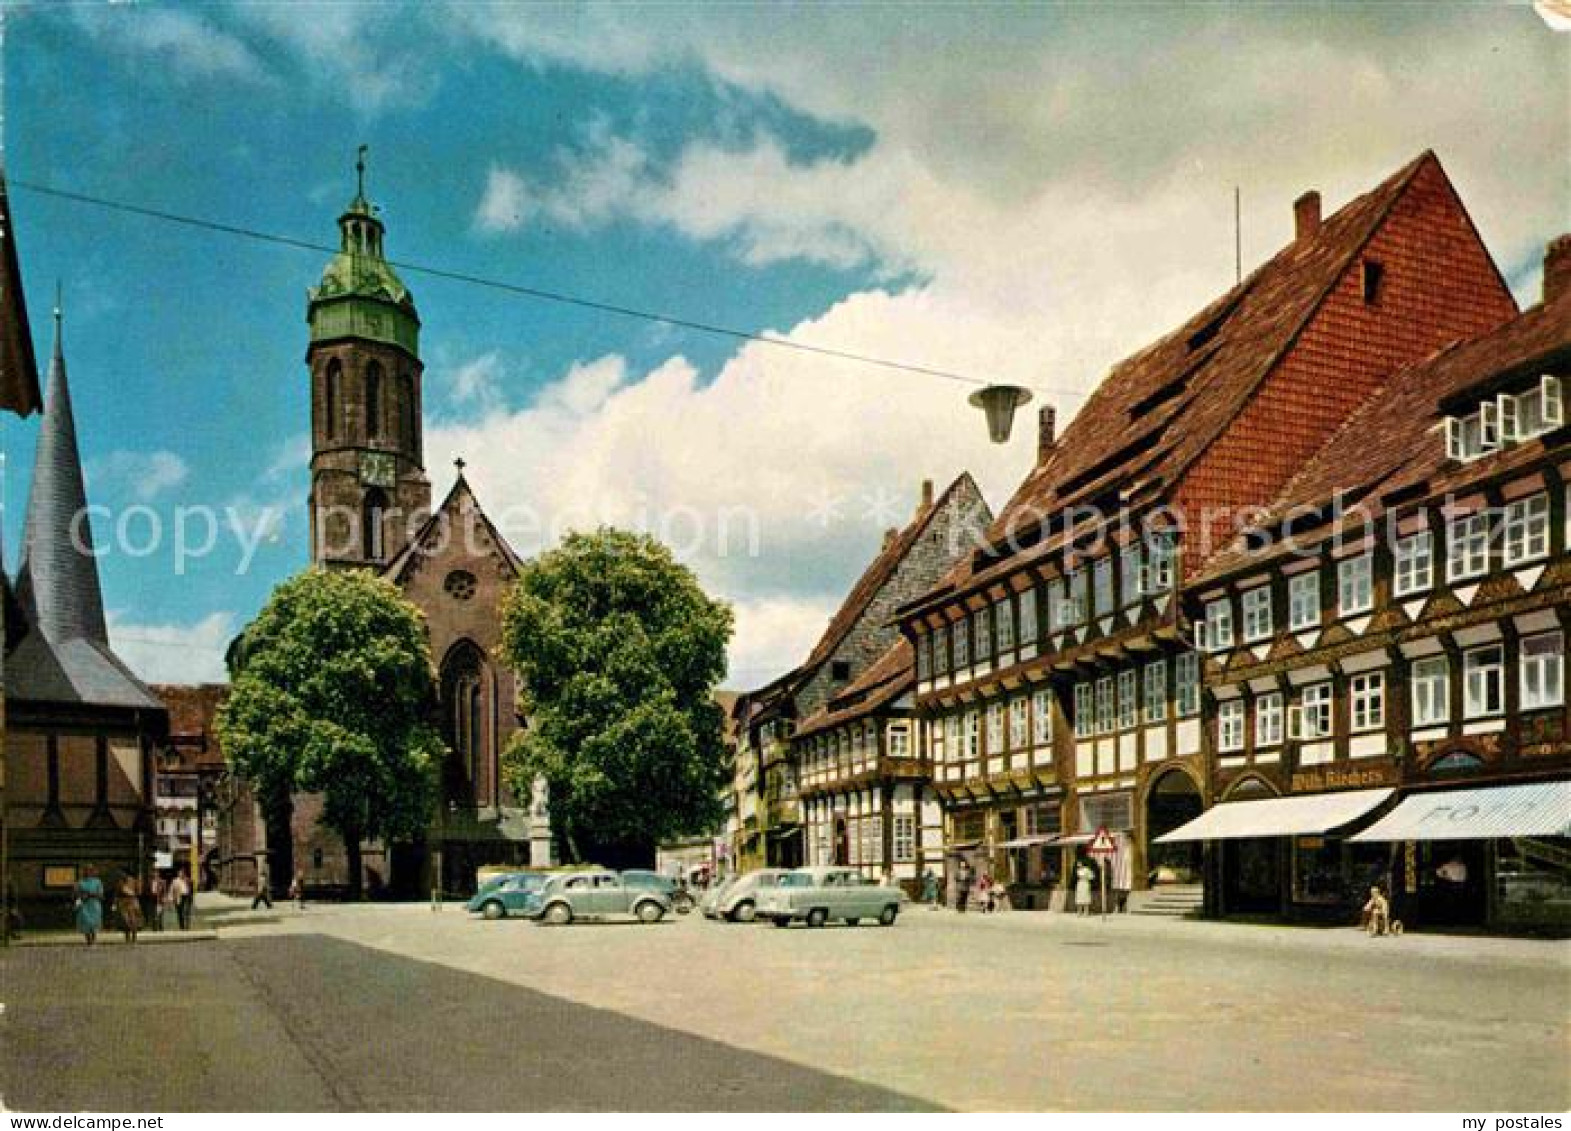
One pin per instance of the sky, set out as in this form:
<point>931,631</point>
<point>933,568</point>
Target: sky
<point>1020,193</point>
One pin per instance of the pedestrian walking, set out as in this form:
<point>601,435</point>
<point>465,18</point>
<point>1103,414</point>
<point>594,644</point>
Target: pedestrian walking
<point>180,894</point>
<point>166,901</point>
<point>128,906</point>
<point>89,892</point>
<point>264,884</point>
<point>1083,878</point>
<point>158,900</point>
<point>297,891</point>
<point>930,889</point>
<point>984,893</point>
<point>963,886</point>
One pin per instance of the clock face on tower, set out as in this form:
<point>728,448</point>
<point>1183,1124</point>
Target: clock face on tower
<point>378,469</point>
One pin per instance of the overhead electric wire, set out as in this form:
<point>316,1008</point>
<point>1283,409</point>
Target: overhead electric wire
<point>523,290</point>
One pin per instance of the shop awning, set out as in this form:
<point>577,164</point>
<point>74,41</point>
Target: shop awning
<point>1279,816</point>
<point>1075,838</point>
<point>1028,841</point>
<point>1535,809</point>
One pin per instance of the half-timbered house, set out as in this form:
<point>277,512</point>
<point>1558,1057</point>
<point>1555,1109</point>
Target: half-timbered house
<point>1053,663</point>
<point>1395,625</point>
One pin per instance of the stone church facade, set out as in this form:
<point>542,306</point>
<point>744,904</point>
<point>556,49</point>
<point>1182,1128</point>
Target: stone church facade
<point>371,509</point>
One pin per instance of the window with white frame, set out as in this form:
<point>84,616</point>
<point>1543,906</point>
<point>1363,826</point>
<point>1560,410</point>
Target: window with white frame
<point>899,740</point>
<point>1186,692</point>
<point>1506,419</point>
<point>1160,557</point>
<point>1303,600</point>
<point>934,736</point>
<point>983,620</point>
<point>1369,701</point>
<point>1483,681</point>
<point>1216,631</point>
<point>962,631</point>
<point>1079,590</point>
<point>1057,605</point>
<point>1268,719</point>
<point>941,650</point>
<point>1156,691</point>
<point>1085,715</point>
<point>1527,529</point>
<point>1102,585</point>
<point>905,838</point>
<point>952,738</point>
<point>1467,547</point>
<point>973,735</point>
<point>1415,563</point>
<point>1004,625</point>
<point>854,840</point>
<point>1130,574</point>
<point>1431,684</point>
<point>1128,698</point>
<point>1104,705</point>
<point>1019,708</point>
<point>1028,617</point>
<point>1041,716</point>
<point>1311,717</point>
<point>995,727</point>
<point>1257,614</point>
<point>1355,582</point>
<point>1230,726</point>
<point>1543,671</point>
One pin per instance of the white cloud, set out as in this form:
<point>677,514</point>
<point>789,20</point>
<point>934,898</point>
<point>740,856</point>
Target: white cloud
<point>142,475</point>
<point>772,636</point>
<point>173,652</point>
<point>179,41</point>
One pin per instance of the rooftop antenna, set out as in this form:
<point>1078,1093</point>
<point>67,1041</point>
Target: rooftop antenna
<point>1238,238</point>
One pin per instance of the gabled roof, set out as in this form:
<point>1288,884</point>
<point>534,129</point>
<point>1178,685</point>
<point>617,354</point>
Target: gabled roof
<point>1392,447</point>
<point>460,501</point>
<point>74,673</point>
<point>1157,411</point>
<point>877,575</point>
<point>889,677</point>
<point>57,584</point>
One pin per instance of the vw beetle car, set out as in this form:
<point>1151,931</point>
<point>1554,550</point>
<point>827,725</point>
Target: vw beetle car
<point>817,895</point>
<point>598,895</point>
<point>737,899</point>
<point>681,899</point>
<point>513,893</point>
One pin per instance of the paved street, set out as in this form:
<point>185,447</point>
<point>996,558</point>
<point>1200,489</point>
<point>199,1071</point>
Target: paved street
<point>396,1007</point>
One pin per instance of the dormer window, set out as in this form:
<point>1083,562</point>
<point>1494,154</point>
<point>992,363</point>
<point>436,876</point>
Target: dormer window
<point>1509,418</point>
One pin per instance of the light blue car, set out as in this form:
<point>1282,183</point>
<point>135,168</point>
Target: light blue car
<point>514,893</point>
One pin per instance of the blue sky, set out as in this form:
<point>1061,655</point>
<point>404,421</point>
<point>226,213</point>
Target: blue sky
<point>1026,193</point>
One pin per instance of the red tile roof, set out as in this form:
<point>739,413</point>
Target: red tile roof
<point>1391,447</point>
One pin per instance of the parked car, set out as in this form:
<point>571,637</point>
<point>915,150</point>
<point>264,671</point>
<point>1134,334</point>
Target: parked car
<point>817,895</point>
<point>511,893</point>
<point>598,895</point>
<point>737,900</point>
<point>681,899</point>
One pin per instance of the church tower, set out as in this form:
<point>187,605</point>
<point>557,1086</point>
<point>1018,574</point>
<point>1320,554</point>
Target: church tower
<point>369,490</point>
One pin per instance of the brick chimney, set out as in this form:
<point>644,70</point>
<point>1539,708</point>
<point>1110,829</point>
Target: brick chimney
<point>1046,431</point>
<point>927,497</point>
<point>1306,215</point>
<point>1557,269</point>
<point>889,537</point>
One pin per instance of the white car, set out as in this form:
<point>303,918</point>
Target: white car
<point>817,895</point>
<point>737,900</point>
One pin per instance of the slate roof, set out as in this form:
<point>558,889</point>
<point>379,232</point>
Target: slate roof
<point>18,367</point>
<point>1158,411</point>
<point>878,574</point>
<point>63,655</point>
<point>889,677</point>
<point>1391,447</point>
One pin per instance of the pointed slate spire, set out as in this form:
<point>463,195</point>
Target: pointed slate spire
<point>58,582</point>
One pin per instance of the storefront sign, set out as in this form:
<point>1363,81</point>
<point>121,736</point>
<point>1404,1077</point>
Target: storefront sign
<point>1323,778</point>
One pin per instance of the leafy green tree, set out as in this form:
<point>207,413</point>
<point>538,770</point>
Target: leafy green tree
<point>618,650</point>
<point>331,694</point>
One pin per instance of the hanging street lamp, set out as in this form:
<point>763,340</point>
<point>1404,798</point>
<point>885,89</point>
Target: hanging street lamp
<point>999,403</point>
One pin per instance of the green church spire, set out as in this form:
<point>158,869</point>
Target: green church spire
<point>360,295</point>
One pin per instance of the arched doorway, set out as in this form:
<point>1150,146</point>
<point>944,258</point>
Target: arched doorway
<point>1173,800</point>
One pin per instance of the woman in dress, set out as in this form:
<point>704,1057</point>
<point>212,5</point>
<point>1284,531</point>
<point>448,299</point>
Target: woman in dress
<point>89,904</point>
<point>1083,878</point>
<point>128,904</point>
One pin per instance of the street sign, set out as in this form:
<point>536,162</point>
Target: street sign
<point>1102,843</point>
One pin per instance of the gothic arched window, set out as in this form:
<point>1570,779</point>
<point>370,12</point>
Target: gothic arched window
<point>372,520</point>
<point>406,407</point>
<point>373,400</point>
<point>465,721</point>
<point>335,376</point>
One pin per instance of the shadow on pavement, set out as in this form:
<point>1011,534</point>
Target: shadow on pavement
<point>310,1023</point>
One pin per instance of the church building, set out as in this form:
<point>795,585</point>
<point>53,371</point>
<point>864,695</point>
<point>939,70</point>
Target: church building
<point>371,509</point>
